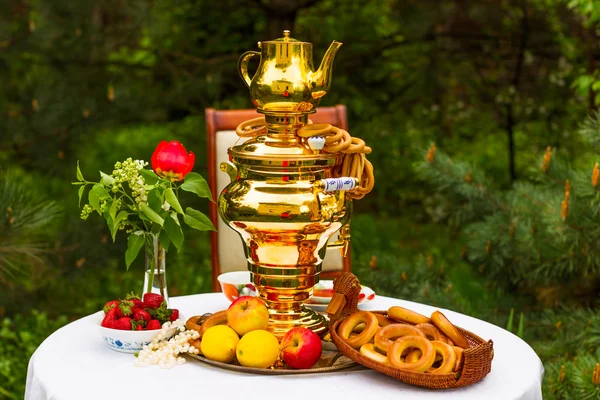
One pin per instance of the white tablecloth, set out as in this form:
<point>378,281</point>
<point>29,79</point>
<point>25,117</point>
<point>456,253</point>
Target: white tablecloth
<point>74,363</point>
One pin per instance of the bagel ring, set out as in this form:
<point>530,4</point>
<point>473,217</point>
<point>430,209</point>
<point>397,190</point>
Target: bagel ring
<point>459,357</point>
<point>383,335</point>
<point>218,318</point>
<point>382,320</point>
<point>194,323</point>
<point>348,324</point>
<point>368,350</point>
<point>405,315</point>
<point>448,357</point>
<point>442,323</point>
<point>431,332</point>
<point>406,342</point>
<point>414,354</point>
<point>355,334</point>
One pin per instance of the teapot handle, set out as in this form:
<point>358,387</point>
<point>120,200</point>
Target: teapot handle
<point>243,65</point>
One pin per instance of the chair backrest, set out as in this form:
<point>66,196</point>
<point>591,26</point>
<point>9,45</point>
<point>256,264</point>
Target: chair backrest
<point>227,253</point>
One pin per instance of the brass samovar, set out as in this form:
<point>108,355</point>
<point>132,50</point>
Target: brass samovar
<point>282,199</point>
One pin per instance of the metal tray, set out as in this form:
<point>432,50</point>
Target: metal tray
<point>331,360</point>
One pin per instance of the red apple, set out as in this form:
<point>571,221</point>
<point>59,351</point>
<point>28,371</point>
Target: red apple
<point>247,314</point>
<point>301,348</point>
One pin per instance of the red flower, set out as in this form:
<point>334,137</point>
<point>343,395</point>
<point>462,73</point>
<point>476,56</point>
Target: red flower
<point>171,160</point>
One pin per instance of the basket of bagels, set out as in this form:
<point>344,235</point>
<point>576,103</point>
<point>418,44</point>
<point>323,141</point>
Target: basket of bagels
<point>427,351</point>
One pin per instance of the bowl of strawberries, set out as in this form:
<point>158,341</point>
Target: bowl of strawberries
<point>130,324</point>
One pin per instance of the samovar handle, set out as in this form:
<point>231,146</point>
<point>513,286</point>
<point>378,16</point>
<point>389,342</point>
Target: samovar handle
<point>230,169</point>
<point>332,185</point>
<point>335,184</point>
<point>243,66</point>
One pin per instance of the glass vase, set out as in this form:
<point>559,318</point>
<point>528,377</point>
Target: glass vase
<point>155,280</point>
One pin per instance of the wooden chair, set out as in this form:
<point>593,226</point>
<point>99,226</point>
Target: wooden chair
<point>226,245</point>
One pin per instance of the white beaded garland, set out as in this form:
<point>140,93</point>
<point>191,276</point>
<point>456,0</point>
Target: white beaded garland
<point>163,351</point>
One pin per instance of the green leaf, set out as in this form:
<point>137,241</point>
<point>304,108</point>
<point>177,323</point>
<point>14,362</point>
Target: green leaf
<point>135,241</point>
<point>113,209</point>
<point>109,218</point>
<point>173,228</point>
<point>156,229</point>
<point>149,176</point>
<point>197,220</point>
<point>79,174</point>
<point>195,183</point>
<point>164,240</point>
<point>151,214</point>
<point>97,193</point>
<point>154,200</point>
<point>172,200</point>
<point>122,215</point>
<point>81,189</point>
<point>107,180</point>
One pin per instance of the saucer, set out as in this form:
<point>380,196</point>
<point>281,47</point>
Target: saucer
<point>323,292</point>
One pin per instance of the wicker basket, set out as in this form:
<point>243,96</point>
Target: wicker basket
<point>475,365</point>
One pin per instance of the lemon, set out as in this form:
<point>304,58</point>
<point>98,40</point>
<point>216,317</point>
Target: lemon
<point>258,349</point>
<point>219,343</point>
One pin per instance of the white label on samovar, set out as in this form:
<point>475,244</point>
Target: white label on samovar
<point>333,184</point>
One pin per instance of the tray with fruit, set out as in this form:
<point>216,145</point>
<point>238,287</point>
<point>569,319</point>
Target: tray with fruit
<point>238,339</point>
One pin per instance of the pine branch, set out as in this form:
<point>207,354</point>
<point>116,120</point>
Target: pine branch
<point>590,131</point>
<point>542,232</point>
<point>24,218</point>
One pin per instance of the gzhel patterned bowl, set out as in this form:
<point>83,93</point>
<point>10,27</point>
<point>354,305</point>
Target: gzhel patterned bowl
<point>126,341</point>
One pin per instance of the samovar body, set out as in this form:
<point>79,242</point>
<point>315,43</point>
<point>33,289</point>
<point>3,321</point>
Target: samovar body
<point>282,199</point>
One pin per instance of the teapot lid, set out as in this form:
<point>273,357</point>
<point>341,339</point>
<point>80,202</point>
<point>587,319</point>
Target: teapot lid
<point>286,38</point>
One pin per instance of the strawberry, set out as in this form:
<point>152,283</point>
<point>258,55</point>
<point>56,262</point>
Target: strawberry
<point>110,318</point>
<point>125,306</point>
<point>123,324</point>
<point>138,325</point>
<point>140,315</point>
<point>162,313</point>
<point>138,303</point>
<point>174,314</point>
<point>109,305</point>
<point>135,299</point>
<point>153,300</point>
<point>153,324</point>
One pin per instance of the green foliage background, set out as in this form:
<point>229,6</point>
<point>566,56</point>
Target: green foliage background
<point>491,82</point>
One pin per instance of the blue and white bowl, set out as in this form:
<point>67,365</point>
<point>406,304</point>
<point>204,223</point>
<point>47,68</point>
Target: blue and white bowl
<point>127,341</point>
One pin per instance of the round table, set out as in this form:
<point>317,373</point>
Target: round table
<point>75,363</point>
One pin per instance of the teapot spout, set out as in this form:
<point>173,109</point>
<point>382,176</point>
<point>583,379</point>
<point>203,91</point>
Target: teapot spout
<point>321,78</point>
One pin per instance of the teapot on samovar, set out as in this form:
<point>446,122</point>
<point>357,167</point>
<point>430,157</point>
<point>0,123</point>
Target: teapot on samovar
<point>284,200</point>
<point>285,80</point>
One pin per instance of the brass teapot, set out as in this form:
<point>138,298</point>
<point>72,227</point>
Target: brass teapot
<point>286,80</point>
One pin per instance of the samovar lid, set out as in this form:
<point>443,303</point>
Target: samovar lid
<point>274,151</point>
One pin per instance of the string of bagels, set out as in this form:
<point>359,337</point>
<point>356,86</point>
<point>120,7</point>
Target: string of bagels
<point>354,162</point>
